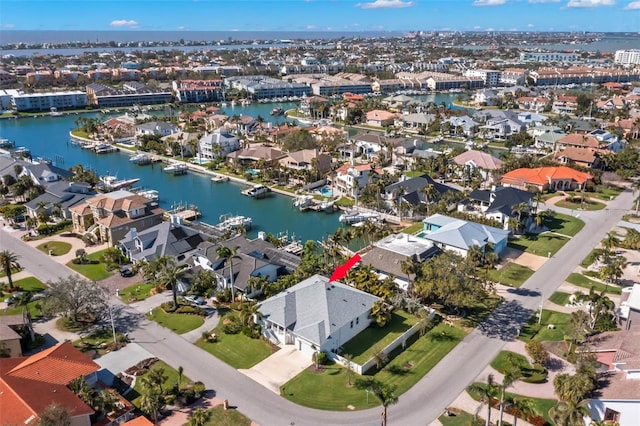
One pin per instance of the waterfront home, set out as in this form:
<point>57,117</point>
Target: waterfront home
<point>251,156</point>
<point>380,118</point>
<point>560,178</point>
<point>533,103</point>
<point>398,102</point>
<point>576,140</point>
<point>307,159</point>
<point>457,235</point>
<point>498,203</point>
<point>163,239</point>
<point>480,161</point>
<point>44,174</point>
<point>388,255</point>
<point>463,125</point>
<point>60,195</point>
<point>350,179</point>
<point>184,141</point>
<point>565,105</point>
<point>315,315</point>
<point>501,124</point>
<point>485,97</point>
<point>416,191</point>
<point>218,144</point>
<point>415,121</point>
<point>110,216</point>
<point>28,385</point>
<point>159,128</point>
<point>585,157</point>
<point>241,125</point>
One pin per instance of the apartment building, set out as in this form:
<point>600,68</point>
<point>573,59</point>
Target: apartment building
<point>491,78</point>
<point>627,57</point>
<point>264,87</point>
<point>199,90</point>
<point>48,100</point>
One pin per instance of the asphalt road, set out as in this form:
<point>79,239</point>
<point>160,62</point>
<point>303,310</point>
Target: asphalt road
<point>420,405</point>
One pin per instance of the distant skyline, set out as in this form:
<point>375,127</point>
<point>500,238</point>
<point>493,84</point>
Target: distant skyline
<point>321,15</point>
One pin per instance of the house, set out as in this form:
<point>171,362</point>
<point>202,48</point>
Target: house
<point>158,128</point>
<point>548,140</point>
<point>250,156</point>
<point>113,214</point>
<point>500,124</point>
<point>629,311</point>
<point>457,235</point>
<point>185,141</point>
<point>463,125</point>
<point>28,385</point>
<point>218,144</point>
<point>565,105</point>
<point>485,97</point>
<point>380,118</point>
<point>585,157</point>
<point>164,239</point>
<point>415,120</point>
<point>546,178</point>
<point>45,174</point>
<point>388,255</point>
<point>307,159</point>
<point>350,179</point>
<point>414,190</point>
<point>532,103</point>
<point>481,161</point>
<point>12,330</point>
<point>316,315</point>
<point>62,195</point>
<point>498,203</point>
<point>576,140</point>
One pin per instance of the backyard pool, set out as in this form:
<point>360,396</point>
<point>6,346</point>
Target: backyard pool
<point>253,172</point>
<point>326,191</point>
<point>200,161</point>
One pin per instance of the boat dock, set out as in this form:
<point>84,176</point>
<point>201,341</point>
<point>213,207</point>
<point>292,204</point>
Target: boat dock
<point>184,213</point>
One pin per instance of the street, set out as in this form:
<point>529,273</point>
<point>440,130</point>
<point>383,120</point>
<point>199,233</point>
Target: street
<point>418,406</point>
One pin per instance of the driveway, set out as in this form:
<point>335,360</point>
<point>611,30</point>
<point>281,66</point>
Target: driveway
<point>118,361</point>
<point>523,258</point>
<point>279,368</point>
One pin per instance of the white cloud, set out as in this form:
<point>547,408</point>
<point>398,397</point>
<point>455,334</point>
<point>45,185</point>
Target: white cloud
<point>118,23</point>
<point>530,25</point>
<point>634,5</point>
<point>544,1</point>
<point>590,3</point>
<point>312,27</point>
<point>385,4</point>
<point>8,26</point>
<point>477,27</point>
<point>181,27</point>
<point>489,2</point>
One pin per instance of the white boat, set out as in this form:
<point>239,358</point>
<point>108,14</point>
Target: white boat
<point>7,143</point>
<point>112,183</point>
<point>303,202</point>
<point>327,206</point>
<point>258,191</point>
<point>176,169</point>
<point>220,179</point>
<point>140,158</point>
<point>54,112</point>
<point>104,148</point>
<point>151,194</point>
<point>229,221</point>
<point>351,218</point>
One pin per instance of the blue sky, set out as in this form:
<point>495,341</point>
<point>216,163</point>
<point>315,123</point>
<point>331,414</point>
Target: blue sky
<point>321,15</point>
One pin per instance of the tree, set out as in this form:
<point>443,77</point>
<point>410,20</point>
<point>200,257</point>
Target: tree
<point>199,417</point>
<point>572,388</point>
<point>180,372</point>
<point>54,415</point>
<point>228,254</point>
<point>537,352</point>
<point>74,296</point>
<point>569,413</point>
<point>578,327</point>
<point>381,313</point>
<point>487,393</point>
<point>348,360</point>
<point>512,374</point>
<point>9,262</point>
<point>379,356</point>
<point>522,407</point>
<point>152,403</point>
<point>384,392</point>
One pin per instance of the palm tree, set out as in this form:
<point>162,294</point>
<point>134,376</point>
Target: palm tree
<point>348,360</point>
<point>168,275</point>
<point>409,267</point>
<point>151,403</point>
<point>199,417</point>
<point>511,376</point>
<point>487,393</point>
<point>569,413</point>
<point>475,255</point>
<point>8,262</point>
<point>180,372</point>
<point>228,254</point>
<point>384,392</point>
<point>523,407</point>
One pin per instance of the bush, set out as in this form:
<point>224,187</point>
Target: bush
<point>537,352</point>
<point>254,332</point>
<point>84,261</point>
<point>199,388</point>
<point>224,296</point>
<point>320,357</point>
<point>231,325</point>
<point>167,307</point>
<point>192,310</point>
<point>46,229</point>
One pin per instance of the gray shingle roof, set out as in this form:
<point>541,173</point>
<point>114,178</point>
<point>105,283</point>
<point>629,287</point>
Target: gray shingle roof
<point>462,234</point>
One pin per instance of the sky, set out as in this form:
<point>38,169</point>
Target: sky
<point>321,15</point>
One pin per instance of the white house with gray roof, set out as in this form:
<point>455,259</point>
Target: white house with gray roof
<point>316,315</point>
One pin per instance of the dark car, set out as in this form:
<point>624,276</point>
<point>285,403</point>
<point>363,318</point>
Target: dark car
<point>127,271</point>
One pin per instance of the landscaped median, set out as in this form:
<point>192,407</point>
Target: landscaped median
<point>181,320</point>
<point>91,265</point>
<point>512,274</point>
<point>136,292</point>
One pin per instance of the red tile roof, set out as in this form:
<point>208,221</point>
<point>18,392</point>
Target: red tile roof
<point>542,175</point>
<point>138,421</point>
<point>575,139</point>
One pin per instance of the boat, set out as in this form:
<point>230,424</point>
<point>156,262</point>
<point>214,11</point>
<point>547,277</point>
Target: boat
<point>258,191</point>
<point>6,143</point>
<point>230,222</point>
<point>141,159</point>
<point>151,194</point>
<point>176,169</point>
<point>303,202</point>
<point>327,206</point>
<point>233,103</point>
<point>277,111</point>
<point>112,183</point>
<point>22,151</point>
<point>104,148</point>
<point>351,218</point>
<point>54,112</point>
<point>220,179</point>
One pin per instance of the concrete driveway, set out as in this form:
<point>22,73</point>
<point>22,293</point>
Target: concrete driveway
<point>279,368</point>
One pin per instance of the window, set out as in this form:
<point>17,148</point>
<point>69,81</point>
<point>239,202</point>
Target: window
<point>357,320</point>
<point>351,324</point>
<point>611,415</point>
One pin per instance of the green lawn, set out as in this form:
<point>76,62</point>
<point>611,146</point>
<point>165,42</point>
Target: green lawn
<point>541,332</point>
<point>586,205</point>
<point>413,229</point>
<point>94,271</point>
<point>530,373</point>
<point>541,406</point>
<point>237,350</point>
<point>178,323</point>
<point>564,224</point>
<point>172,378</point>
<point>560,298</point>
<point>34,310</point>
<point>541,244</point>
<point>328,390</point>
<point>218,416</point>
<point>461,418</point>
<point>362,346</point>
<point>591,257</point>
<point>582,281</point>
<point>56,248</point>
<point>136,292</point>
<point>29,284</point>
<point>512,275</point>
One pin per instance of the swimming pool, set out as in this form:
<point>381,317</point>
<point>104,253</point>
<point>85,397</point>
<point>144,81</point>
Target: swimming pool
<point>253,172</point>
<point>326,191</point>
<point>200,161</point>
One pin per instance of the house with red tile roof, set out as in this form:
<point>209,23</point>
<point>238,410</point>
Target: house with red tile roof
<point>577,141</point>
<point>546,178</point>
<point>28,385</point>
<point>478,160</point>
<point>380,118</point>
<point>585,157</point>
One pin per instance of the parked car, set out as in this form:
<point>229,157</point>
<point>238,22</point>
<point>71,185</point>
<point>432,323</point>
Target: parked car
<point>127,271</point>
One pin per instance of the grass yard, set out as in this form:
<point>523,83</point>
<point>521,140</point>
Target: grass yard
<point>541,406</point>
<point>512,274</point>
<point>586,205</point>
<point>461,418</point>
<point>541,332</point>
<point>591,257</point>
<point>362,346</point>
<point>541,244</point>
<point>57,248</point>
<point>34,310</point>
<point>564,224</point>
<point>135,395</point>
<point>178,323</point>
<point>31,284</point>
<point>218,416</point>
<point>93,271</point>
<point>237,350</point>
<point>530,373</point>
<point>582,281</point>
<point>136,292</point>
<point>560,298</point>
<point>328,389</point>
<point>413,229</point>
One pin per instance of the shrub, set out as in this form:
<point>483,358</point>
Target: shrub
<point>254,332</point>
<point>48,229</point>
<point>224,296</point>
<point>320,357</point>
<point>537,352</point>
<point>231,325</point>
<point>192,310</point>
<point>167,307</point>
<point>199,388</point>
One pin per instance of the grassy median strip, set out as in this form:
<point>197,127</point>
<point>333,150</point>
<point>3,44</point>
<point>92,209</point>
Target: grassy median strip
<point>582,281</point>
<point>512,274</point>
<point>178,323</point>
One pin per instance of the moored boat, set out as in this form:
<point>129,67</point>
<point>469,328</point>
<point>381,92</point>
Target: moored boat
<point>112,183</point>
<point>258,191</point>
<point>176,169</point>
<point>220,179</point>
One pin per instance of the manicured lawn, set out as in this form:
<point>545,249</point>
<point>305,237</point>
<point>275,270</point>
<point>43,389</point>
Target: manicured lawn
<point>34,310</point>
<point>530,374</point>
<point>541,244</point>
<point>56,248</point>
<point>512,274</point>
<point>582,281</point>
<point>328,390</point>
<point>97,341</point>
<point>218,416</point>
<point>29,284</point>
<point>172,378</point>
<point>178,323</point>
<point>237,350</point>
<point>136,292</point>
<point>591,257</point>
<point>560,298</point>
<point>541,406</point>
<point>413,229</point>
<point>586,205</point>
<point>362,346</point>
<point>93,271</point>
<point>461,418</point>
<point>541,332</point>
<point>564,224</point>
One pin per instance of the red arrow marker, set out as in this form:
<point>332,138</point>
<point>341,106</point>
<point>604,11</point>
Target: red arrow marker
<point>341,271</point>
